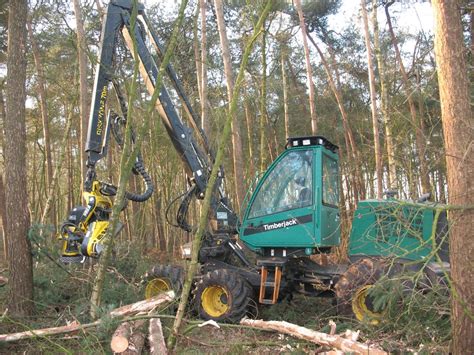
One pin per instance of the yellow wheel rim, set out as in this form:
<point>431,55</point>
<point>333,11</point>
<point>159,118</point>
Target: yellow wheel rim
<point>156,286</point>
<point>215,301</point>
<point>362,306</point>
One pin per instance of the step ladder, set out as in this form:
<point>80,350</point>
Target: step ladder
<point>270,279</point>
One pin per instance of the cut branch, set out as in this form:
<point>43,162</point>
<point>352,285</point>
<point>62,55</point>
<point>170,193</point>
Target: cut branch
<point>156,338</point>
<point>335,341</point>
<point>128,310</point>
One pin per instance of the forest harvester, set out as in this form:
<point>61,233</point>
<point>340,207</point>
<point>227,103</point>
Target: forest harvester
<point>291,216</point>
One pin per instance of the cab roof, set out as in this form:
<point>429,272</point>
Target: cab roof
<point>311,141</point>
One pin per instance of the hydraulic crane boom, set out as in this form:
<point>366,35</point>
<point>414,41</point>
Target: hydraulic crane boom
<point>191,143</point>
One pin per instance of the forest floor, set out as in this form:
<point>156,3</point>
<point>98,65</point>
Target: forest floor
<point>61,298</point>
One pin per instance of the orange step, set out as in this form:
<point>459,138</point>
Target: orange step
<point>273,286</point>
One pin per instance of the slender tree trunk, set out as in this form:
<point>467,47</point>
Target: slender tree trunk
<point>456,114</point>
<point>309,70</point>
<point>441,186</point>
<point>373,103</point>
<point>84,97</point>
<point>197,55</point>
<point>44,114</point>
<point>248,122</point>
<point>3,217</point>
<point>3,207</point>
<point>236,137</point>
<point>391,178</point>
<point>16,196</point>
<point>263,104</point>
<point>285,95</point>
<point>205,124</point>
<point>70,176</point>
<point>419,135</point>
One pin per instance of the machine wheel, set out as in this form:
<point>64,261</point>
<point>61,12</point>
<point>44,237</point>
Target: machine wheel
<point>163,278</point>
<point>352,290</point>
<point>222,295</point>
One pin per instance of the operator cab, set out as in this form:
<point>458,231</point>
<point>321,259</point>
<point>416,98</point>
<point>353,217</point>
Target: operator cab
<point>294,209</point>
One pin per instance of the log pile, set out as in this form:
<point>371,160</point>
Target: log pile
<point>129,338</point>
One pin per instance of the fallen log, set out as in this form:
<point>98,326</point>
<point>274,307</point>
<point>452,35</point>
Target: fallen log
<point>143,306</point>
<point>128,310</point>
<point>156,338</point>
<point>129,338</point>
<point>334,341</point>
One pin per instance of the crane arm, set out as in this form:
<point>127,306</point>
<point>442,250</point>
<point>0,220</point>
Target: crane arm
<point>190,143</point>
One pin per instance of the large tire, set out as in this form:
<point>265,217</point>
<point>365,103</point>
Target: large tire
<point>222,295</point>
<point>352,290</point>
<point>163,278</point>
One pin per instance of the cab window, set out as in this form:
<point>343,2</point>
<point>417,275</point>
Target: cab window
<point>288,186</point>
<point>330,181</point>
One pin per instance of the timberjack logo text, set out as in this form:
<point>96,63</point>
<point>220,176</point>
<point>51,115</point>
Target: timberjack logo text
<point>100,114</point>
<point>278,225</point>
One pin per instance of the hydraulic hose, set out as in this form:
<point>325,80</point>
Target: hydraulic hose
<point>138,167</point>
<point>149,188</point>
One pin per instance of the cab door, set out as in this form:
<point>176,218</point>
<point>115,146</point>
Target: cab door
<point>328,217</point>
<point>281,212</point>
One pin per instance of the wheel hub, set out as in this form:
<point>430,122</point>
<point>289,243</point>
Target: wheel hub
<point>156,286</point>
<point>363,306</point>
<point>214,301</point>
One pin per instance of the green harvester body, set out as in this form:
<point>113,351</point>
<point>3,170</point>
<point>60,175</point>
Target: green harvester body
<point>294,207</point>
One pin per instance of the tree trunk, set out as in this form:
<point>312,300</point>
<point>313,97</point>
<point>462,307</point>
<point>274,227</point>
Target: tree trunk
<point>3,208</point>
<point>236,137</point>
<point>204,116</point>
<point>309,70</point>
<point>373,104</point>
<point>3,217</point>
<point>391,178</point>
<point>456,114</point>
<point>263,105</point>
<point>70,176</point>
<point>248,122</point>
<point>419,135</point>
<point>16,197</point>
<point>84,97</point>
<point>285,95</point>
<point>197,55</point>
